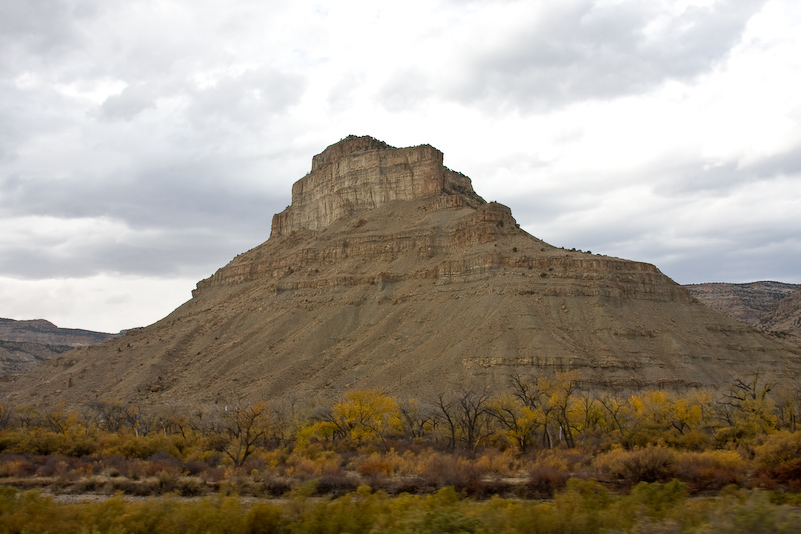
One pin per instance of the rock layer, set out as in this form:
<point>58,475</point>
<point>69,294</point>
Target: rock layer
<point>362,173</point>
<point>388,271</point>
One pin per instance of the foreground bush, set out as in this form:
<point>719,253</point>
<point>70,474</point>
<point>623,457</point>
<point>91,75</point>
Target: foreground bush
<point>584,506</point>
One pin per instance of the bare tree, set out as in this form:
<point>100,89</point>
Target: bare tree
<point>466,417</point>
<point>238,430</point>
<point>28,417</point>
<point>6,416</point>
<point>109,415</point>
<point>742,391</point>
<point>59,420</point>
<point>135,418</point>
<point>588,406</point>
<point>473,416</point>
<point>750,405</point>
<point>417,418</point>
<point>446,416</point>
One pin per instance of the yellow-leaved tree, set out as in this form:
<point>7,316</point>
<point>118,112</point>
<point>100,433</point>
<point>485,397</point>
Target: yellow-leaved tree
<point>366,415</point>
<point>520,422</point>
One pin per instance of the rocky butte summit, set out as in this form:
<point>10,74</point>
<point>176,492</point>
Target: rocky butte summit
<point>389,271</point>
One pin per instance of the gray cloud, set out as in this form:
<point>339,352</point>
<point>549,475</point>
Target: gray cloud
<point>784,163</point>
<point>183,179</point>
<point>27,114</point>
<point>405,88</point>
<point>684,178</point>
<point>604,52</point>
<point>169,253</point>
<point>41,26</point>
<point>580,50</point>
<point>129,103</point>
<point>187,215</point>
<point>734,260</point>
<point>340,97</point>
<point>183,194</point>
<point>756,249</point>
<point>248,99</point>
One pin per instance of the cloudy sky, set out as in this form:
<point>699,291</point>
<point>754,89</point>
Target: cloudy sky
<point>144,144</point>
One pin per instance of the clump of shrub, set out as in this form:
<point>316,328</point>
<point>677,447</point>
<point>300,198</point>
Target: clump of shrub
<point>337,484</point>
<point>16,465</point>
<point>440,470</point>
<point>710,470</point>
<point>552,469</point>
<point>778,461</point>
<point>304,467</point>
<point>649,464</point>
<point>376,466</point>
<point>505,463</point>
<point>545,480</point>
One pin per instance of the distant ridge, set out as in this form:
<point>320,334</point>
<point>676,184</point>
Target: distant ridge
<point>25,344</point>
<point>748,302</point>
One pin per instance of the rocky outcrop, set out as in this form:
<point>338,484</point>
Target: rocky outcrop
<point>362,173</point>
<point>388,271</point>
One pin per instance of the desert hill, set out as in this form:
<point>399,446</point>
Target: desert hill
<point>387,270</point>
<point>25,344</point>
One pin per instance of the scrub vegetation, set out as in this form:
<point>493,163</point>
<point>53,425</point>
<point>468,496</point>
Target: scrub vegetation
<point>541,456</point>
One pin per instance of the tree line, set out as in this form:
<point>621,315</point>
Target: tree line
<point>533,413</point>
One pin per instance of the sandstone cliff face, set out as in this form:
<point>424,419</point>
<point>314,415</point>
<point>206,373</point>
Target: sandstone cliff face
<point>389,271</point>
<point>361,173</point>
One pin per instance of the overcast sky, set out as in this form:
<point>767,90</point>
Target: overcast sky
<point>144,144</point>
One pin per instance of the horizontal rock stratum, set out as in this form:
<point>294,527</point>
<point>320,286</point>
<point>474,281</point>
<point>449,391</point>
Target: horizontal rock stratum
<point>389,271</point>
<point>362,173</point>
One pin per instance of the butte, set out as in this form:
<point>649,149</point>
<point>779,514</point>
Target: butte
<point>388,271</point>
